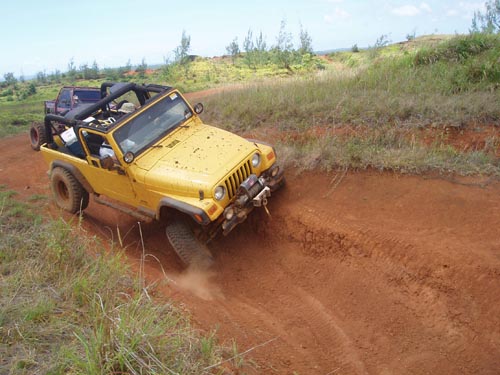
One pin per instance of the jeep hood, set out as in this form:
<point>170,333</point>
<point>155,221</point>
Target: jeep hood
<point>194,157</point>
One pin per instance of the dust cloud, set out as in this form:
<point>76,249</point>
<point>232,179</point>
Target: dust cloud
<point>201,283</point>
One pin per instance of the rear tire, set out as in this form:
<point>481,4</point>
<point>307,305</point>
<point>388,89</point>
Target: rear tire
<point>38,136</point>
<point>190,250</point>
<point>68,193</point>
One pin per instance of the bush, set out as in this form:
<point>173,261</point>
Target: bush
<point>457,49</point>
<point>8,92</point>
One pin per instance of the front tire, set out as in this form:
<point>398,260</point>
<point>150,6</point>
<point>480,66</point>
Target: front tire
<point>190,250</point>
<point>38,136</point>
<point>68,193</point>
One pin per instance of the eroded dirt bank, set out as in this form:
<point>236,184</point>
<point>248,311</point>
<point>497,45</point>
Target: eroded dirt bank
<point>365,273</point>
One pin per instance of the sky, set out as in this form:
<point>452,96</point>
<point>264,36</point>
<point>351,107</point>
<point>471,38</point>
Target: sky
<point>46,35</point>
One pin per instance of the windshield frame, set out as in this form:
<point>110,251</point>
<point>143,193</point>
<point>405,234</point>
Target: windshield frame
<point>152,123</point>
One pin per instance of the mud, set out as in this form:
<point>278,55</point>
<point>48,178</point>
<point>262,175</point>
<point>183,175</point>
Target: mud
<point>377,274</point>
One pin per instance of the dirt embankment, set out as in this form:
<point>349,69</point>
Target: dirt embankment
<point>362,273</point>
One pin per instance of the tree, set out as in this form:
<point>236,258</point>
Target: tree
<point>261,53</point>
<point>55,76</point>
<point>111,74</point>
<point>94,70</point>
<point>168,69</point>
<point>41,77</point>
<point>410,37</point>
<point>141,69</point>
<point>72,69</point>
<point>475,20</point>
<point>181,55</point>
<point>283,50</point>
<point>124,70</point>
<point>249,48</point>
<point>305,41</point>
<point>9,78</point>
<point>355,48</point>
<point>31,89</point>
<point>489,21</point>
<point>233,49</point>
<point>84,71</point>
<point>382,41</point>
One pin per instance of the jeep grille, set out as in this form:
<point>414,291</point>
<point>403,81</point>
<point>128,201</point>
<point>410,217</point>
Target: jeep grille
<point>234,181</point>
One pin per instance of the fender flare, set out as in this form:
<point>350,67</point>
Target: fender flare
<point>75,172</point>
<point>196,213</point>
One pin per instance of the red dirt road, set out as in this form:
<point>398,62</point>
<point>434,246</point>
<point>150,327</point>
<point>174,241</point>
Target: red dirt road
<point>367,273</point>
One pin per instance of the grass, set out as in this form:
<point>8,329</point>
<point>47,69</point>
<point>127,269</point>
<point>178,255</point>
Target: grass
<point>432,81</point>
<point>394,89</point>
<point>383,149</point>
<point>68,306</point>
<point>385,96</point>
<point>16,117</point>
<point>17,114</point>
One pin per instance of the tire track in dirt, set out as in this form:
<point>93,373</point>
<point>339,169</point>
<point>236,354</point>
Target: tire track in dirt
<point>381,275</point>
<point>416,281</point>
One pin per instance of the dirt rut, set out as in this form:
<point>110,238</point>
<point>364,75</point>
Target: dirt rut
<point>377,274</point>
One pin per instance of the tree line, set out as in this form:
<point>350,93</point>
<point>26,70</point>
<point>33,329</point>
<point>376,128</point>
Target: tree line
<point>255,51</point>
<point>488,21</point>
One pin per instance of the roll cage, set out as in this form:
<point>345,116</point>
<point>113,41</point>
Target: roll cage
<point>104,108</point>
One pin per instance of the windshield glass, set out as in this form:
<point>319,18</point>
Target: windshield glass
<point>152,124</point>
<point>87,95</point>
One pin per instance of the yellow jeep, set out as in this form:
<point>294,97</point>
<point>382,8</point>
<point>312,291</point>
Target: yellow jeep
<point>144,150</point>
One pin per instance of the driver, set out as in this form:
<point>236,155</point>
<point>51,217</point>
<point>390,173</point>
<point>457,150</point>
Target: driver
<point>127,108</point>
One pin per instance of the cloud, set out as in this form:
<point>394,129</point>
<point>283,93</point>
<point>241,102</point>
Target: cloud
<point>466,9</point>
<point>469,7</point>
<point>338,13</point>
<point>412,10</point>
<point>426,7</point>
<point>406,10</point>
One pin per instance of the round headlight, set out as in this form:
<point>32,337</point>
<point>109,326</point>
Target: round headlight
<point>129,157</point>
<point>219,193</point>
<point>229,213</point>
<point>275,171</point>
<point>255,160</point>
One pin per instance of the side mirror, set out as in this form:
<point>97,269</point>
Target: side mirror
<point>198,108</point>
<point>107,162</point>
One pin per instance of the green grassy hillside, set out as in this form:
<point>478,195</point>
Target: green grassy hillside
<point>386,97</point>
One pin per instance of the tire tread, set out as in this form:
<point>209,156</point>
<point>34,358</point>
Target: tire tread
<point>191,251</point>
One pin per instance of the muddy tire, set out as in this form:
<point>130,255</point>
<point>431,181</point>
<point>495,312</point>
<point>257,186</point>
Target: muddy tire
<point>279,186</point>
<point>190,250</point>
<point>68,193</point>
<point>38,136</point>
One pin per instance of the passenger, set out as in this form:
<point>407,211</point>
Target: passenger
<point>106,150</point>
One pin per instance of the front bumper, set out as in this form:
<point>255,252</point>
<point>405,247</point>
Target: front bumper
<point>253,192</point>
